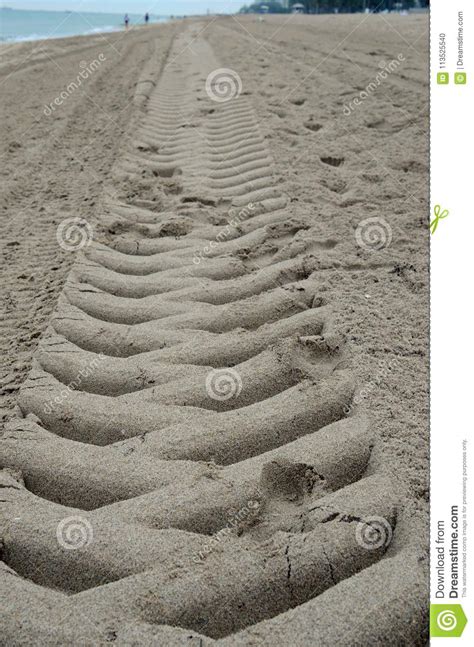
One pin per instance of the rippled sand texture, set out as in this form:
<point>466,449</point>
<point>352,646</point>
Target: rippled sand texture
<point>220,432</point>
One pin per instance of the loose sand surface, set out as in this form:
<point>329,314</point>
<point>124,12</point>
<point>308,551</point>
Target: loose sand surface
<point>215,332</point>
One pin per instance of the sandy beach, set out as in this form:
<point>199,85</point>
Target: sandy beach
<point>215,317</point>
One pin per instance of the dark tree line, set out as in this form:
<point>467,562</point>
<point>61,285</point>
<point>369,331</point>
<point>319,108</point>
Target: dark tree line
<point>343,6</point>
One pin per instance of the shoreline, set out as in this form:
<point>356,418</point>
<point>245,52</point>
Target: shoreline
<point>166,19</point>
<point>111,23</point>
<point>96,32</point>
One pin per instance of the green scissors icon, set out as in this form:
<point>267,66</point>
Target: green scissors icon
<point>438,216</point>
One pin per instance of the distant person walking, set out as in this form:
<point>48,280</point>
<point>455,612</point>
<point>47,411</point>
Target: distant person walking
<point>126,20</point>
<point>147,18</point>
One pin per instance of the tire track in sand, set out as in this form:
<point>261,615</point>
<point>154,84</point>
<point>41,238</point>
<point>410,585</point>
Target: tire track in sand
<point>202,454</point>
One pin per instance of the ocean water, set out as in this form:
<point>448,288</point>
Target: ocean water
<point>20,25</point>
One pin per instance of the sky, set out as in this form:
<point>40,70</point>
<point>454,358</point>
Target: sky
<point>159,7</point>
